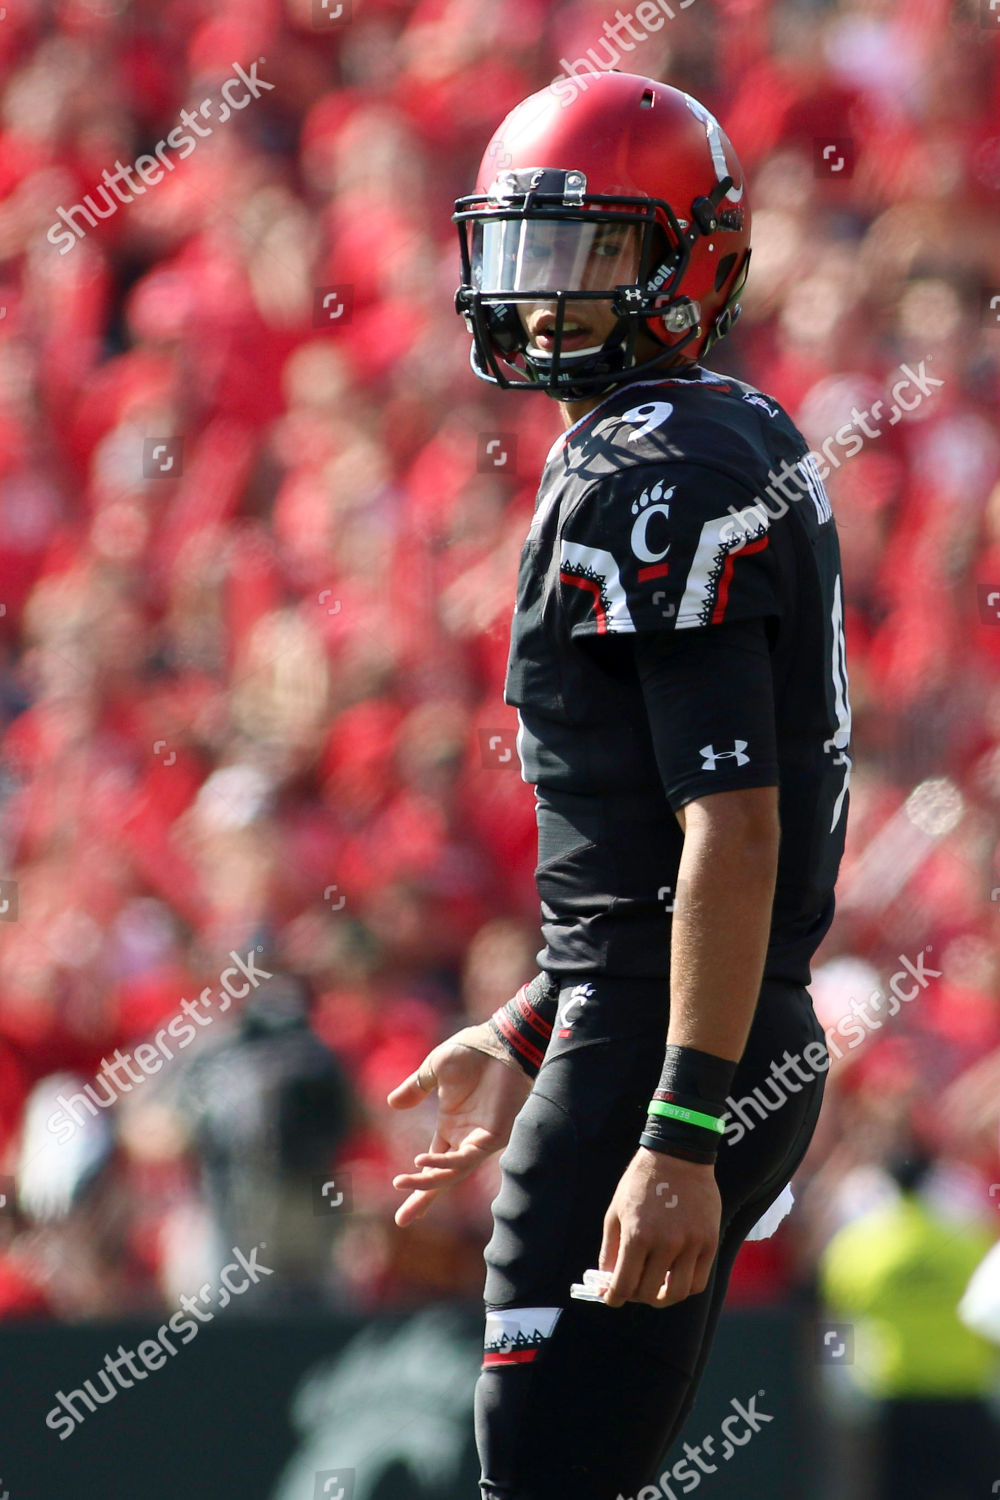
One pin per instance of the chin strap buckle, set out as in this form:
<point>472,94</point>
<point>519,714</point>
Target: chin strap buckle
<point>681,315</point>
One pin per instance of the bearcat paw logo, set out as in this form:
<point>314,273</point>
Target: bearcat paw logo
<point>652,497</point>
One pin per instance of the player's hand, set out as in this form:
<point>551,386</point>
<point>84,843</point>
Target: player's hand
<point>479,1095</point>
<point>661,1231</point>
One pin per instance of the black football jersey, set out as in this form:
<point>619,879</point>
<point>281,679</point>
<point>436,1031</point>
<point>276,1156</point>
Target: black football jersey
<point>679,513</point>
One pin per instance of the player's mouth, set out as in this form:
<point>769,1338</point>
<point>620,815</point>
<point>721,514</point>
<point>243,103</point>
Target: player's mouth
<point>576,335</point>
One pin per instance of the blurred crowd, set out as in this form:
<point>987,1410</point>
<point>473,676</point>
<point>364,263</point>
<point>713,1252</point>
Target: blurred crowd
<point>256,578</point>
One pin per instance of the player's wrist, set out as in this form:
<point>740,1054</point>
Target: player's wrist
<point>686,1115</point>
<point>482,1038</point>
<point>523,1026</point>
<point>674,1162</point>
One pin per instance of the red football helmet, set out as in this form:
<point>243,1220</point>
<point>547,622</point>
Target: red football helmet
<point>623,151</point>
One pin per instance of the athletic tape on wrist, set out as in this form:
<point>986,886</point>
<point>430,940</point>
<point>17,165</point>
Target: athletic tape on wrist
<point>524,1024</point>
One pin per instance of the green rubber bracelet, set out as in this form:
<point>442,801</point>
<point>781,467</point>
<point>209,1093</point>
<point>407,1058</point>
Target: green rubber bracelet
<point>689,1116</point>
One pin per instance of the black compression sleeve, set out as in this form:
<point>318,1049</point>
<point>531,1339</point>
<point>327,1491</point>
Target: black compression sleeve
<point>710,701</point>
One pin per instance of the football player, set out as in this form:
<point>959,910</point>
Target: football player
<point>677,663</point>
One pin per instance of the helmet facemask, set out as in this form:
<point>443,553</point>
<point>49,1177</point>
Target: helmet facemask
<point>538,237</point>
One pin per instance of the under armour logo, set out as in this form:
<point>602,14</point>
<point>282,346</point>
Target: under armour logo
<point>711,755</point>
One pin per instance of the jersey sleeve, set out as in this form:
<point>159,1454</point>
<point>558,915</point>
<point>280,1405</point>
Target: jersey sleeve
<point>710,703</point>
<point>666,547</point>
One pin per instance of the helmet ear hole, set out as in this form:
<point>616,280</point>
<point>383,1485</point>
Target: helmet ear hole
<point>723,269</point>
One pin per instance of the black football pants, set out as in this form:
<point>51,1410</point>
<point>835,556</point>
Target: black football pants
<point>578,1401</point>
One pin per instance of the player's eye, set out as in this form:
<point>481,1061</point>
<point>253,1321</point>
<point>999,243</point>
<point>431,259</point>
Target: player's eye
<point>610,247</point>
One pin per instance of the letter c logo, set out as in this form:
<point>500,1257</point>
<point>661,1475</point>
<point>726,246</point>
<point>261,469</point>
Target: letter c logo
<point>640,546</point>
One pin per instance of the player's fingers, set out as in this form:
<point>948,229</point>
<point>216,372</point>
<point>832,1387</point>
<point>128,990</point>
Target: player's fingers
<point>440,1168</point>
<point>609,1242</point>
<point>627,1273</point>
<point>703,1271</point>
<point>472,1149</point>
<point>452,1170</point>
<point>437,1177</point>
<point>650,1284</point>
<point>678,1281</point>
<point>415,1088</point>
<point>414,1207</point>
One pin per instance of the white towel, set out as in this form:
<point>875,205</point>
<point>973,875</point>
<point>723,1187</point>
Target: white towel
<point>780,1209</point>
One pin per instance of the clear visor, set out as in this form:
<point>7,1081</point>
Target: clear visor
<point>551,255</point>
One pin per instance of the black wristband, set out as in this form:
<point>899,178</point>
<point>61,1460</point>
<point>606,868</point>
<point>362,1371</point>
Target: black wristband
<point>693,1086</point>
<point>666,1146</point>
<point>524,1024</point>
<point>686,1070</point>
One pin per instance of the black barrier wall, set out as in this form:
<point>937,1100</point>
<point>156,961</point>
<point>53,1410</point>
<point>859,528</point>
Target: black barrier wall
<point>342,1409</point>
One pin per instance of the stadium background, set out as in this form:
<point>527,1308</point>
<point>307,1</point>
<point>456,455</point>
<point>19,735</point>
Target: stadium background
<point>260,528</point>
